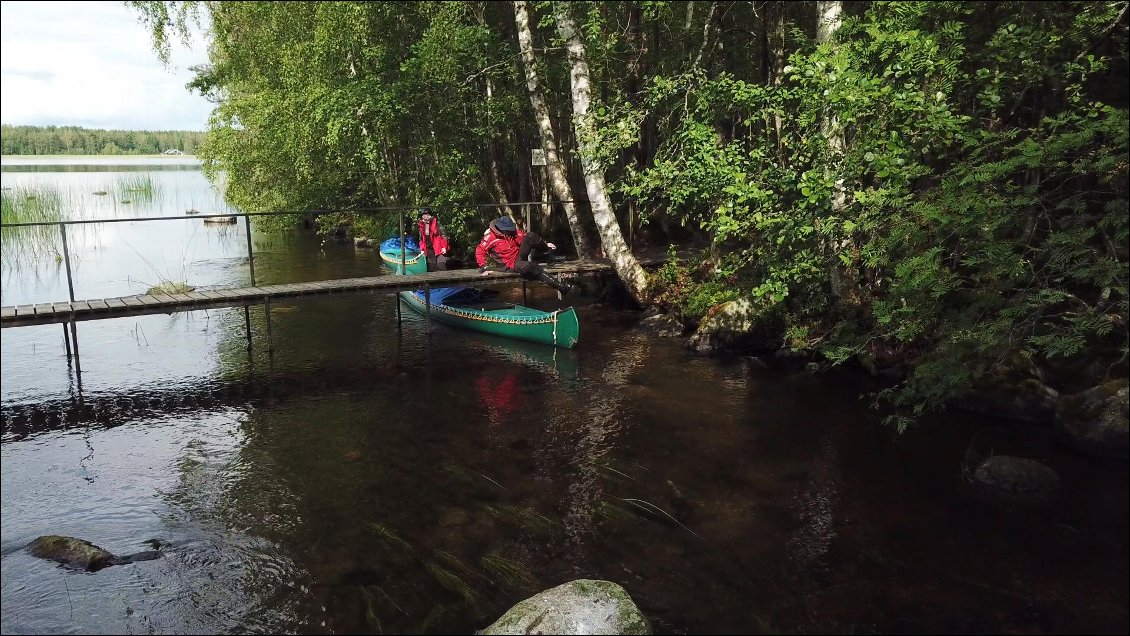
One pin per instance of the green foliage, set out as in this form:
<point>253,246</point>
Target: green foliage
<point>952,160</point>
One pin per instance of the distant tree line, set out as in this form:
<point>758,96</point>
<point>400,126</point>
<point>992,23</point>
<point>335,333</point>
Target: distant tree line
<point>74,140</point>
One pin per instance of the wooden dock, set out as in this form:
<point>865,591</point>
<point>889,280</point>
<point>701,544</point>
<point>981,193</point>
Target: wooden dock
<point>139,305</point>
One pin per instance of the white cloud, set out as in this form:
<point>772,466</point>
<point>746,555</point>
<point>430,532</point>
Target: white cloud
<point>92,64</point>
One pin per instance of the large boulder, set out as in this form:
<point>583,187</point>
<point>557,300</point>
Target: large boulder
<point>1017,391</point>
<point>1096,421</point>
<point>736,325</point>
<point>583,606</point>
<point>1016,483</point>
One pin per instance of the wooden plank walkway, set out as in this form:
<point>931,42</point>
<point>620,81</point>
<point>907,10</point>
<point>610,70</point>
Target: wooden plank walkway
<point>139,305</point>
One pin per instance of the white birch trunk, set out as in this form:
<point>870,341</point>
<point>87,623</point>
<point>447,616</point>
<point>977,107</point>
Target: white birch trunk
<point>842,278</point>
<point>611,237</point>
<point>555,168</point>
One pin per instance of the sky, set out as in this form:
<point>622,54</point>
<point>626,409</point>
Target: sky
<point>92,64</point>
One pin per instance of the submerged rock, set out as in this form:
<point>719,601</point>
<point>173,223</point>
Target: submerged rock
<point>80,554</point>
<point>1016,483</point>
<point>583,606</point>
<point>170,287</point>
<point>662,325</point>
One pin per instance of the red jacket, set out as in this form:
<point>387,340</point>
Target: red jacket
<point>438,243</point>
<point>504,247</point>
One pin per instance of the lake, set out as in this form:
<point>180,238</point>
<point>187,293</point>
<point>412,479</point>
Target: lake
<point>368,478</point>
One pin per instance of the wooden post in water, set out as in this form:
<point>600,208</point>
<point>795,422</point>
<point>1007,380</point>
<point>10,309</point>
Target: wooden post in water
<point>267,311</point>
<point>428,306</point>
<point>247,324</point>
<point>71,292</point>
<point>67,341</point>
<point>251,264</point>
<point>78,363</point>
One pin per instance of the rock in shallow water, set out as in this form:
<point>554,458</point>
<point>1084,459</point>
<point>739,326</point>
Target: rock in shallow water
<point>583,606</point>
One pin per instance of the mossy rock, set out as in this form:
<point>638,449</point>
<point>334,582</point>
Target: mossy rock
<point>170,287</point>
<point>583,606</point>
<point>1097,420</point>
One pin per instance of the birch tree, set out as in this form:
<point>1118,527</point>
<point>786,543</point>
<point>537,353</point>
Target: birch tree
<point>611,237</point>
<point>841,251</point>
<point>555,167</point>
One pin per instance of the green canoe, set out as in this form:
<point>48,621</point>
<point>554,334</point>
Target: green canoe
<point>473,309</point>
<point>414,261</point>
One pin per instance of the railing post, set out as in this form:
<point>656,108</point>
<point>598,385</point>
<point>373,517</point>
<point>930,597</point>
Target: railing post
<point>403,258</point>
<point>250,256</point>
<point>67,260</point>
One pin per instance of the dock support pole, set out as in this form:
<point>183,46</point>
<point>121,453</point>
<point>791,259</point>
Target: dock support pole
<point>428,306</point>
<point>67,342</point>
<point>78,363</point>
<point>247,324</point>
<point>396,299</point>
<point>270,339</point>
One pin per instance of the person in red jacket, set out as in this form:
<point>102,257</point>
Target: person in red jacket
<point>432,241</point>
<point>514,248</point>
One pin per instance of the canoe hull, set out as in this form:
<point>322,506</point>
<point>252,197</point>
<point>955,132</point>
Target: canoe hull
<point>414,261</point>
<point>559,328</point>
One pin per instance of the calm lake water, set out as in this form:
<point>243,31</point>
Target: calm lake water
<point>369,479</point>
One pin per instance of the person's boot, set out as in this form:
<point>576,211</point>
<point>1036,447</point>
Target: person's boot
<point>563,289</point>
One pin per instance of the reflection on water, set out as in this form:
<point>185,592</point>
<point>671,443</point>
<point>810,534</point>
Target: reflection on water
<point>369,479</point>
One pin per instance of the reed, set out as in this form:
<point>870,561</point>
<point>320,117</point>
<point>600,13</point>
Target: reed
<point>390,538</point>
<point>137,187</point>
<point>31,204</point>
<point>511,573</point>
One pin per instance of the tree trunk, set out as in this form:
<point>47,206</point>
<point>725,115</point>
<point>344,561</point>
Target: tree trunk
<point>611,237</point>
<point>555,168</point>
<point>775,43</point>
<point>842,277</point>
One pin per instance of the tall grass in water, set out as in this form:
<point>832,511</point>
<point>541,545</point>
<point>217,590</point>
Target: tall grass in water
<point>137,187</point>
<point>31,204</point>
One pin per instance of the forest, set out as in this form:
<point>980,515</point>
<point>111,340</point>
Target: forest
<point>75,140</point>
<point>938,188</point>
